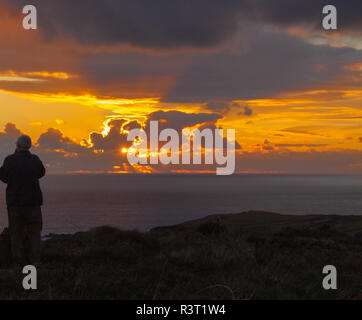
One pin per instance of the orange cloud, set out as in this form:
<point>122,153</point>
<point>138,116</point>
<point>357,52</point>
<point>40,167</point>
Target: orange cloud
<point>12,75</point>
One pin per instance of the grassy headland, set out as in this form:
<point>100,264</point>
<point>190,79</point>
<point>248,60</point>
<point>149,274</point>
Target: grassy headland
<point>252,255</point>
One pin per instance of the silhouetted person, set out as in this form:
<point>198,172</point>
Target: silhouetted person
<point>21,172</point>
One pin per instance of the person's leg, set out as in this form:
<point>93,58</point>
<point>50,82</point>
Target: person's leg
<point>17,234</point>
<point>34,225</point>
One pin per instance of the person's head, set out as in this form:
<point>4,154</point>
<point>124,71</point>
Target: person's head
<point>23,142</point>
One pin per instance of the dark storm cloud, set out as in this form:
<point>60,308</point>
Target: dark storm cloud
<point>219,106</point>
<point>102,151</point>
<point>267,145</point>
<point>62,154</point>
<point>10,131</point>
<point>115,139</point>
<point>225,106</point>
<point>132,125</point>
<point>247,111</point>
<point>53,139</point>
<point>130,74</point>
<point>48,145</point>
<point>150,24</point>
<point>9,136</point>
<point>247,70</point>
<point>271,63</point>
<point>178,23</point>
<point>298,12</point>
<point>178,120</point>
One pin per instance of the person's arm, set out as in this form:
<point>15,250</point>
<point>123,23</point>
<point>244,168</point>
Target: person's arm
<point>4,171</point>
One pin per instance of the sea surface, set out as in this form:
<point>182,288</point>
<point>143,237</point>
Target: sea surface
<point>79,202</point>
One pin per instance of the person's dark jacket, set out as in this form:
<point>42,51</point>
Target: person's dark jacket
<point>21,172</point>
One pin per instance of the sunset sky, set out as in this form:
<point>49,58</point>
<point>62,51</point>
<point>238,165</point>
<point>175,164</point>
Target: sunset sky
<point>292,91</point>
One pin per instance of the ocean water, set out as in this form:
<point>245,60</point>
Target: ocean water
<point>79,202</point>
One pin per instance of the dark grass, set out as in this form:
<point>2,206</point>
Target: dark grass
<point>214,258</point>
